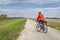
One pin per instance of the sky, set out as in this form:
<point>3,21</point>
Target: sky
<point>30,8</point>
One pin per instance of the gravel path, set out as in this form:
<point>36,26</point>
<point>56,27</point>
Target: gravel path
<point>30,33</point>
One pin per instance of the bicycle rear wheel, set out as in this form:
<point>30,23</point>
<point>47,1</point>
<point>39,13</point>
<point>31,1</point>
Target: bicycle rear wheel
<point>38,28</point>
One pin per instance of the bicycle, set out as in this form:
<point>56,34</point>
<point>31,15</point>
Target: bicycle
<point>42,27</point>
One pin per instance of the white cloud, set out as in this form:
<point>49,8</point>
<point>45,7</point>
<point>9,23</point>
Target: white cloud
<point>48,12</point>
<point>8,2</point>
<point>28,1</point>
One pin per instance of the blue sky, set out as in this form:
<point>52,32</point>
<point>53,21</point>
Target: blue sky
<point>30,8</point>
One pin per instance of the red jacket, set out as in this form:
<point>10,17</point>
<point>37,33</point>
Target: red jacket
<point>40,17</point>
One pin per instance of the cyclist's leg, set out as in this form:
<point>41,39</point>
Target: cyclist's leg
<point>42,25</point>
<point>38,21</point>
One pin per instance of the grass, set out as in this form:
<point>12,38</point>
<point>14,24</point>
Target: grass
<point>10,29</point>
<point>55,25</point>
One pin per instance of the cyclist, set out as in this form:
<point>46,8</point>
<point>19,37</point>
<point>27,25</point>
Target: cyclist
<point>40,19</point>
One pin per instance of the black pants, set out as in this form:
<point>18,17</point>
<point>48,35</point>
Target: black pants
<point>41,22</point>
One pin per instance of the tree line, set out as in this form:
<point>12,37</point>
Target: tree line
<point>3,16</point>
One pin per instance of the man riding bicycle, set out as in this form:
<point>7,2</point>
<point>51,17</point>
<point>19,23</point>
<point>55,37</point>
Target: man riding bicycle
<point>40,19</point>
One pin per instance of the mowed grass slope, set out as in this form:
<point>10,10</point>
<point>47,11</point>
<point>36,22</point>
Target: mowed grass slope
<point>55,25</point>
<point>10,29</point>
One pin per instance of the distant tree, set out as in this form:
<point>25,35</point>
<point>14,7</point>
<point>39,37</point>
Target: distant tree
<point>3,16</point>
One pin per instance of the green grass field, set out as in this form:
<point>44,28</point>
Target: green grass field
<point>55,25</point>
<point>10,29</point>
